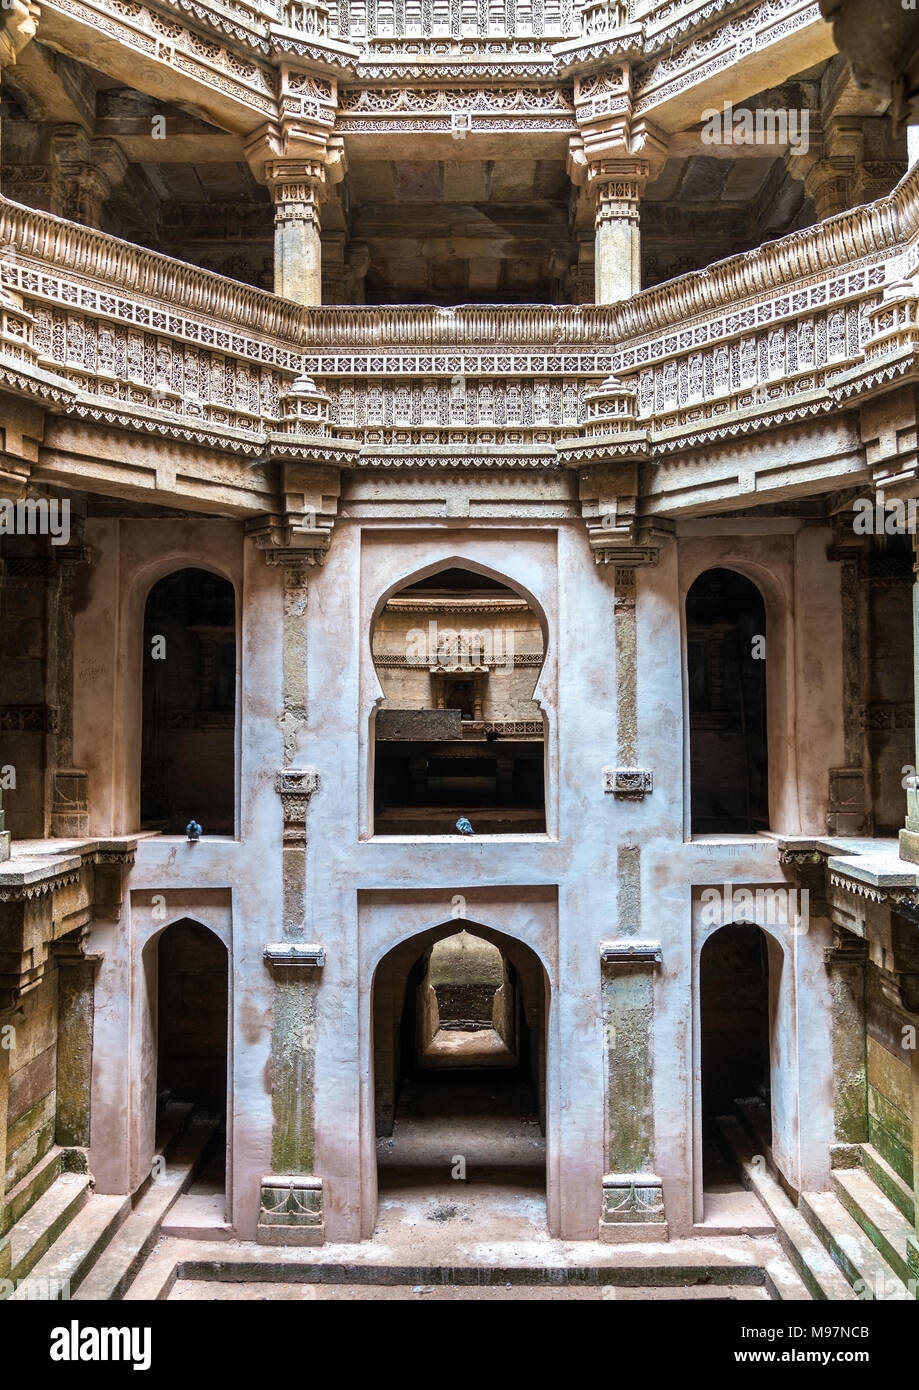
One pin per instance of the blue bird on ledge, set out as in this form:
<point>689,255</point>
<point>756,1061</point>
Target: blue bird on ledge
<point>193,830</point>
<point>464,827</point>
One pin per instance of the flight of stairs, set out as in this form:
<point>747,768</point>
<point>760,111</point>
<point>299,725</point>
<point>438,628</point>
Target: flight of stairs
<point>846,1244</point>
<point>72,1242</point>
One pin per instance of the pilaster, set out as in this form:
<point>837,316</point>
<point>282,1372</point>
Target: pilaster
<point>633,1198</point>
<point>846,960</point>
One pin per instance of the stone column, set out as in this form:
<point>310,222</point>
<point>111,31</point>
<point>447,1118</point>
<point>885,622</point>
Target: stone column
<point>5,1252</point>
<point>86,172</point>
<point>294,185</point>
<point>633,1198</point>
<point>846,960</point>
<point>617,186</point>
<point>291,1195</point>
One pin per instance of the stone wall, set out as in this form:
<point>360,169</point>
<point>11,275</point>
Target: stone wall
<point>31,1115</point>
<point>890,1108</point>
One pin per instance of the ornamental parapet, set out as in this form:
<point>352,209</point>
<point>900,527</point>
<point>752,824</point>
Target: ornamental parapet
<point>101,331</point>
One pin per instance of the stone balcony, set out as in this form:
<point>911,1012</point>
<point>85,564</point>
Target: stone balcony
<point>789,338</point>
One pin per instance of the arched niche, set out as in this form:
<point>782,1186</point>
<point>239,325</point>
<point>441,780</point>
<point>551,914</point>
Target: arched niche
<point>457,729</point>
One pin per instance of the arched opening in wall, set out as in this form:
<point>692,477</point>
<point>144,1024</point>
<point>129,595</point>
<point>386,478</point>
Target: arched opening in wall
<point>192,1065</point>
<point>189,705</point>
<point>459,1028</point>
<point>735,1014</point>
<point>726,661</point>
<point>458,733</point>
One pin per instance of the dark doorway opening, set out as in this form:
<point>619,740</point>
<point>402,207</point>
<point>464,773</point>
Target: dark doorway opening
<point>726,639</point>
<point>735,1037</point>
<point>192,1052</point>
<point>189,704</point>
<point>459,1073</point>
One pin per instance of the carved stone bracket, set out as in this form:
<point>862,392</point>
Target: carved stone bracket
<point>290,1210</point>
<point>630,952</point>
<point>285,954</point>
<point>295,786</point>
<point>628,783</point>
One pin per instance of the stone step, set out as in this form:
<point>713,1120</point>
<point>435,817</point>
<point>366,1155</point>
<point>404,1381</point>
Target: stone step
<point>76,1250</point>
<point>35,1233</point>
<point>809,1257</point>
<point>34,1185</point>
<point>890,1183</point>
<point>118,1265</point>
<point>851,1248</point>
<point>784,1283</point>
<point>886,1227</point>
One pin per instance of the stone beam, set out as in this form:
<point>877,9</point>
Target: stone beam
<point>137,47</point>
<point>52,87</point>
<point>741,58</point>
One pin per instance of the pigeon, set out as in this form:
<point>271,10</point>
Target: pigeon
<point>193,830</point>
<point>464,827</point>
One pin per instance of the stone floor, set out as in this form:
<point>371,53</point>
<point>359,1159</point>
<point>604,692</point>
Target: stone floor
<point>479,1238</point>
<point>454,1047</point>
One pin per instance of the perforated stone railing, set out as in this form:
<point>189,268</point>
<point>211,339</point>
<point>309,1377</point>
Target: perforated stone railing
<point>138,339</point>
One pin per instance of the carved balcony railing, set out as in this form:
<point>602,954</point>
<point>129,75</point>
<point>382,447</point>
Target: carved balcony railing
<point>452,19</point>
<point>103,331</point>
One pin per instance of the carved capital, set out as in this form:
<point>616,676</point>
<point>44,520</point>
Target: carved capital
<point>295,786</point>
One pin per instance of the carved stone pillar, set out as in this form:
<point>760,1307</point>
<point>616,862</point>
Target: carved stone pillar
<point>615,155</point>
<point>846,960</point>
<point>86,172</point>
<point>617,186</point>
<point>294,185</point>
<point>291,1196</point>
<point>633,1198</point>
